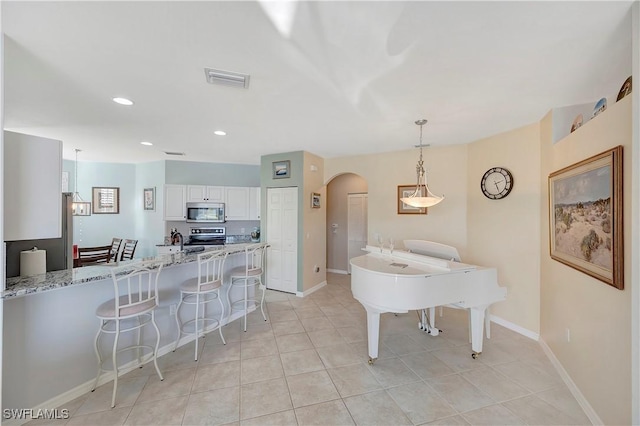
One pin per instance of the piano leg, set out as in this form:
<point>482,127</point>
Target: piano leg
<point>373,333</point>
<point>477,314</point>
<point>432,322</point>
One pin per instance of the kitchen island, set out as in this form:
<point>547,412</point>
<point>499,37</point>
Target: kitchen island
<point>50,325</point>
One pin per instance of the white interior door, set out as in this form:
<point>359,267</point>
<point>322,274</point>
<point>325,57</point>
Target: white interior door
<point>356,226</point>
<point>282,236</point>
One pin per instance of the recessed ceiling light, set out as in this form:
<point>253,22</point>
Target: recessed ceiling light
<point>146,143</point>
<point>220,133</point>
<point>123,101</point>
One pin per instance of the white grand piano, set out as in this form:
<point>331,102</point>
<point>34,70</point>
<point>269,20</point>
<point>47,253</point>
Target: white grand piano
<point>402,281</point>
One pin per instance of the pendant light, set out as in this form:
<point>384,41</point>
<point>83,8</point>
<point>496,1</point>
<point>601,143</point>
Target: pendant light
<point>422,196</point>
<point>79,207</point>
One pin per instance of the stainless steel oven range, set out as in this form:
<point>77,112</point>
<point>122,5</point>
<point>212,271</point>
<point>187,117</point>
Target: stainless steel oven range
<point>207,236</point>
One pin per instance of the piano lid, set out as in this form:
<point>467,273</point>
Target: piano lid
<point>407,264</point>
<point>433,249</point>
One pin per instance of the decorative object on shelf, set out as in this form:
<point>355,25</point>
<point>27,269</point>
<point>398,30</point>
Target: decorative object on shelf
<point>496,183</point>
<point>421,197</point>
<point>585,217</point>
<point>315,200</point>
<point>149,198</point>
<point>601,105</point>
<point>79,207</point>
<point>625,89</point>
<point>106,200</point>
<point>405,191</point>
<point>281,169</point>
<point>577,122</point>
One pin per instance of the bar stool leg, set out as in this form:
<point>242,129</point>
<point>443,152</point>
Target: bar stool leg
<point>95,347</point>
<point>263,288</point>
<point>115,364</point>
<point>195,325</point>
<point>155,353</point>
<point>221,317</point>
<point>246,284</point>
<point>178,323</point>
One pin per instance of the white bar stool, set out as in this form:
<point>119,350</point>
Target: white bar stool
<point>249,275</point>
<point>132,308</point>
<point>201,290</point>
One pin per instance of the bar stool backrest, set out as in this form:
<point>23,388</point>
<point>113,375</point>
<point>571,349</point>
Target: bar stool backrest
<point>136,290</point>
<point>210,270</point>
<point>254,259</point>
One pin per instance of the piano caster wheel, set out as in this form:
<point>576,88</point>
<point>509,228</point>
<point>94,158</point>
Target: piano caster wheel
<point>475,355</point>
<point>371,361</point>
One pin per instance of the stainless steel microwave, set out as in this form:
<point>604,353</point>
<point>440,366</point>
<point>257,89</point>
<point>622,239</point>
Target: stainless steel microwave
<point>205,212</point>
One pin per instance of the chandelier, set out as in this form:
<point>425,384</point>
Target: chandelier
<point>79,207</point>
<point>422,196</point>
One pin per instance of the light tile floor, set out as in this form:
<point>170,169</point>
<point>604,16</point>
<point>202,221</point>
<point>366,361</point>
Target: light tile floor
<point>307,365</point>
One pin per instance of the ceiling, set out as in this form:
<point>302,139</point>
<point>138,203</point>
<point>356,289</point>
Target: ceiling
<point>332,78</point>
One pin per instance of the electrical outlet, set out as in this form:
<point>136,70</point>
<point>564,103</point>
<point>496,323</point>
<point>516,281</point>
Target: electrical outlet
<point>172,309</point>
<point>568,335</point>
<point>316,268</point>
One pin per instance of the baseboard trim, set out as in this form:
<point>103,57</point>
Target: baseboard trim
<point>588,409</point>
<point>338,271</point>
<point>311,290</point>
<point>514,327</point>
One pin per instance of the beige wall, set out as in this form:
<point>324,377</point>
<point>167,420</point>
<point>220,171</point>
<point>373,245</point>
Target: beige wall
<point>505,233</point>
<point>338,191</point>
<point>314,237</point>
<point>598,358</point>
<point>446,174</point>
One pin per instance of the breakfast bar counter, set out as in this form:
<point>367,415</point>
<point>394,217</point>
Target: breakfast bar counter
<point>21,286</point>
<point>50,324</point>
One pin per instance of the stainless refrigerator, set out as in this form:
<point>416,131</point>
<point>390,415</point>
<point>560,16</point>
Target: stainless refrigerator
<point>59,250</point>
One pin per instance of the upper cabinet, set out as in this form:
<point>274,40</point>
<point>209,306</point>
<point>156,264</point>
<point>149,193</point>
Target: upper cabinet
<point>199,193</point>
<point>236,203</point>
<point>32,187</point>
<point>254,203</point>
<point>175,200</point>
<point>241,203</point>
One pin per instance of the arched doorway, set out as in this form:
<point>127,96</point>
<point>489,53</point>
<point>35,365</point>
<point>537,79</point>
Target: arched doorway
<point>346,220</point>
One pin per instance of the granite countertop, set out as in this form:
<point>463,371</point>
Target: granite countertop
<point>21,286</point>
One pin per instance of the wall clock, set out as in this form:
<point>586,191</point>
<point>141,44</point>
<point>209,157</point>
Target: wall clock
<point>496,183</point>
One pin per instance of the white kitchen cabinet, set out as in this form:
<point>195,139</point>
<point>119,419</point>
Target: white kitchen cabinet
<point>237,202</point>
<point>254,203</point>
<point>175,202</point>
<point>200,193</point>
<point>32,187</point>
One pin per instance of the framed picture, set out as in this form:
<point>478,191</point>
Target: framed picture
<point>315,200</point>
<point>149,198</point>
<point>405,191</point>
<point>585,217</point>
<point>281,169</point>
<point>106,200</point>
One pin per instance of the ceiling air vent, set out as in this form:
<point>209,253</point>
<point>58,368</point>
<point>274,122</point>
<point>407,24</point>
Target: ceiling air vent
<point>174,153</point>
<point>226,78</point>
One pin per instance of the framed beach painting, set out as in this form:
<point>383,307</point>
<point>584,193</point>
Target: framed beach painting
<point>585,217</point>
<point>281,169</point>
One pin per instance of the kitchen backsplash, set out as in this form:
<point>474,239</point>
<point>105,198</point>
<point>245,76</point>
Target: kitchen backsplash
<point>236,229</point>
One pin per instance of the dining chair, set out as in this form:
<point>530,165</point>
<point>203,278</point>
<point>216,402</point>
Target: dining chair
<point>115,249</point>
<point>94,255</point>
<point>128,249</point>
